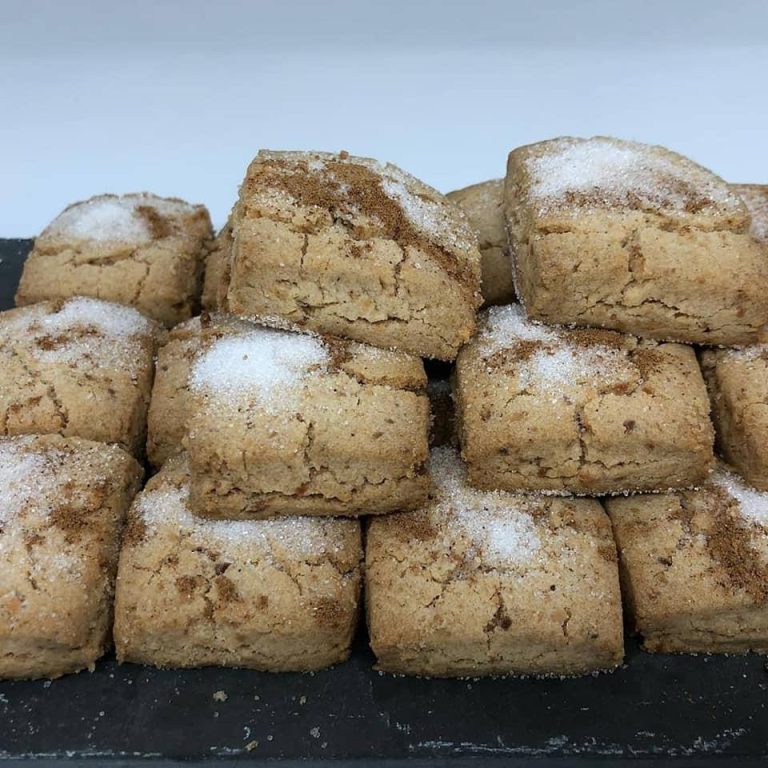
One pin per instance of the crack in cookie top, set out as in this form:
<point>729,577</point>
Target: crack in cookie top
<point>263,366</point>
<point>368,198</point>
<point>499,526</point>
<point>554,362</point>
<point>135,219</point>
<point>569,175</point>
<point>79,332</point>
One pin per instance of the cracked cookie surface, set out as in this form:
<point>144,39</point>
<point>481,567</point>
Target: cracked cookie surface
<point>484,205</point>
<point>80,367</point>
<point>354,248</point>
<point>635,238</point>
<point>694,566</point>
<point>275,595</point>
<point>286,423</point>
<point>63,505</point>
<point>586,411</point>
<point>492,583</point>
<point>139,249</point>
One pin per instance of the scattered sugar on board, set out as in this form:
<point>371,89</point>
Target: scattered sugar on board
<point>753,504</point>
<point>263,365</point>
<point>614,172</point>
<point>168,507</point>
<point>496,522</point>
<point>108,218</point>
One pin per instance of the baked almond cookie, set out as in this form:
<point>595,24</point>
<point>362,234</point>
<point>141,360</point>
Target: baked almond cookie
<point>138,249</point>
<point>492,583</point>
<point>62,509</point>
<point>355,248</point>
<point>484,205</point>
<point>287,423</point>
<point>80,367</point>
<point>215,268</point>
<point>737,380</point>
<point>694,566</point>
<point>583,411</point>
<point>274,595</point>
<point>635,238</point>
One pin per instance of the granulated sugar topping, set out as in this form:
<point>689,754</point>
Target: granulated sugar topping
<point>34,483</point>
<point>497,523</point>
<point>555,364</point>
<point>302,537</point>
<point>107,318</point>
<point>135,218</point>
<point>506,325</point>
<point>80,331</point>
<point>602,172</point>
<point>264,366</point>
<point>25,476</point>
<point>753,504</point>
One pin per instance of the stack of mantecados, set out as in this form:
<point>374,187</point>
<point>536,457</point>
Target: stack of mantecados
<point>299,402</point>
<point>631,265</point>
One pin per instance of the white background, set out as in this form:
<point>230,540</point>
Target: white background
<point>176,97</point>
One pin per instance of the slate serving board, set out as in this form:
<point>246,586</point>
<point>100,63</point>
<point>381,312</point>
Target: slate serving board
<point>693,711</point>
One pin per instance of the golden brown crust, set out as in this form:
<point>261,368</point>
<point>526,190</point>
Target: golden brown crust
<point>272,595</point>
<point>579,411</point>
<point>694,568</point>
<point>64,501</point>
<point>599,229</point>
<point>349,247</point>
<point>153,262</point>
<point>480,583</point>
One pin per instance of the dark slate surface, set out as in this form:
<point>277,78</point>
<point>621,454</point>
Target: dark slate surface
<point>679,710</point>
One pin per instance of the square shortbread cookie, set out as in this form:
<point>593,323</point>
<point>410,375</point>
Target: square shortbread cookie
<point>579,411</point>
<point>80,367</point>
<point>62,506</point>
<point>694,566</point>
<point>484,205</point>
<point>275,595</point>
<point>138,249</point>
<point>486,582</point>
<point>287,423</point>
<point>355,248</point>
<point>635,238</point>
